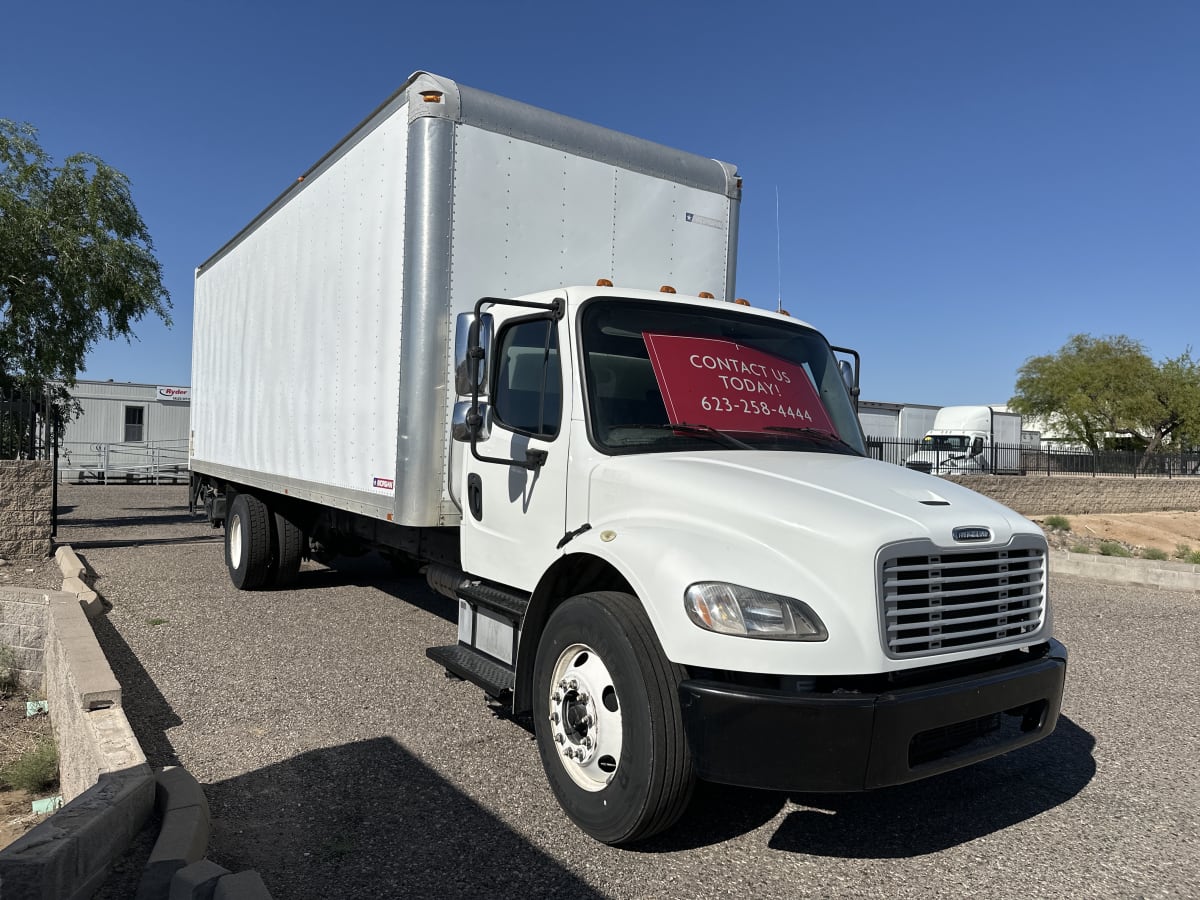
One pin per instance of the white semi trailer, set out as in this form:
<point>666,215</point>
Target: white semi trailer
<point>653,509</point>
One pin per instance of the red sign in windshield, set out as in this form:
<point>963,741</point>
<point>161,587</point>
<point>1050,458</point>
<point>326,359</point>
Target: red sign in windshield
<point>709,381</point>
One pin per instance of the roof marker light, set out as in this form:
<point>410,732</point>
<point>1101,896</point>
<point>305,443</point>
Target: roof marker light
<point>431,96</point>
<point>706,295</point>
<point>603,282</point>
<point>742,301</point>
<point>666,289</point>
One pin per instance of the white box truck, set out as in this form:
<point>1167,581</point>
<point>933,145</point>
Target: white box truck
<point>971,440</point>
<point>653,510</point>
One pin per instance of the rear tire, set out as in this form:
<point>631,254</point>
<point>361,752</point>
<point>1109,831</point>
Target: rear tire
<point>287,549</point>
<point>607,719</point>
<point>248,542</point>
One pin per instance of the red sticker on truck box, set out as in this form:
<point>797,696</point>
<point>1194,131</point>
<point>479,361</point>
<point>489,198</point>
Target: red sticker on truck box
<point>726,385</point>
<point>383,484</point>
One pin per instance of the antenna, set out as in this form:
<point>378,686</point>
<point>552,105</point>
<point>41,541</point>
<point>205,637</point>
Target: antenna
<point>778,256</point>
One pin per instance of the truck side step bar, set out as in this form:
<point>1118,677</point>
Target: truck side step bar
<point>471,665</point>
<point>457,585</point>
<point>508,602</point>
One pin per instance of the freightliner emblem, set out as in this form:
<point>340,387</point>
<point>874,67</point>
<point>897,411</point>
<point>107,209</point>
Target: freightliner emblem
<point>972,533</point>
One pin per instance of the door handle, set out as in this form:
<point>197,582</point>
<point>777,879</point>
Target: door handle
<point>475,496</point>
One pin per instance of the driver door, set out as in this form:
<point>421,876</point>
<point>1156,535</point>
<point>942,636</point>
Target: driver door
<point>513,515</point>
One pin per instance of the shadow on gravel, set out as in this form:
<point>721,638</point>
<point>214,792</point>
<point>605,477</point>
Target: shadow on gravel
<point>143,542</point>
<point>156,521</point>
<point>149,714</point>
<point>944,811</point>
<point>369,819</point>
<point>373,571</point>
<point>717,813</point>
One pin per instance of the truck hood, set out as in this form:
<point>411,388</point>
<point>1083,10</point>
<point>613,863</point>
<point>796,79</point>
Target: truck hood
<point>846,500</point>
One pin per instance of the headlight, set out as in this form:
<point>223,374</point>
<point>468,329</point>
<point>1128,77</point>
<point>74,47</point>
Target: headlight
<point>733,609</point>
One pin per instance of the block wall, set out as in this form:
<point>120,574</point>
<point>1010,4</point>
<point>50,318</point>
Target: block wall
<point>26,499</point>
<point>1031,495</point>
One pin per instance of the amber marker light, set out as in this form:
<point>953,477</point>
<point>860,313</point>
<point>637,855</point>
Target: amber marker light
<point>666,289</point>
<point>603,282</point>
<point>784,312</point>
<point>742,301</point>
<point>431,96</point>
<point>705,295</point>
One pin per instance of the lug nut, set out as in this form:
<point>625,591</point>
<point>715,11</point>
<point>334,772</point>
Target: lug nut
<point>558,739</point>
<point>557,698</point>
<point>554,718</point>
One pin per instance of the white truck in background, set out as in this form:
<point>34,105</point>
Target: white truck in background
<point>971,440</point>
<point>653,509</point>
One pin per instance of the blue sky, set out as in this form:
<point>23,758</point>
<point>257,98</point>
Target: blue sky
<point>962,184</point>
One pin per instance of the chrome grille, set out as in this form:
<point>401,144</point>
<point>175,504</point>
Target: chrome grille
<point>940,601</point>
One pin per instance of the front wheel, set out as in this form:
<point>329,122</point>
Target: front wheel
<point>607,719</point>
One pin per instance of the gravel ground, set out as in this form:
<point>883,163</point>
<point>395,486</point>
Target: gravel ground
<point>338,761</point>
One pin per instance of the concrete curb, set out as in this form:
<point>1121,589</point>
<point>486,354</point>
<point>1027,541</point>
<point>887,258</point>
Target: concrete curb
<point>74,573</point>
<point>183,835</point>
<point>1163,574</point>
<point>68,563</point>
<point>110,789</point>
<point>71,853</point>
<point>103,773</point>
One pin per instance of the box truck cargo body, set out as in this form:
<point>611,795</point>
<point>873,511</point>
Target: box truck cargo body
<point>443,196</point>
<point>500,344</point>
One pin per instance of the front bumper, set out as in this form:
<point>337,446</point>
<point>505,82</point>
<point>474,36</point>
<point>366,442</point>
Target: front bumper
<point>812,742</point>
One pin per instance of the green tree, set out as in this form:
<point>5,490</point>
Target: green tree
<point>1089,387</point>
<point>1172,409</point>
<point>1093,387</point>
<point>76,261</point>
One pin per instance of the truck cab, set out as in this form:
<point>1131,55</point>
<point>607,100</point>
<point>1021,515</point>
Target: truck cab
<point>678,558</point>
<point>957,453</point>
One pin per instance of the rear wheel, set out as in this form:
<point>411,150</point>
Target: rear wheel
<point>287,549</point>
<point>606,714</point>
<point>248,542</point>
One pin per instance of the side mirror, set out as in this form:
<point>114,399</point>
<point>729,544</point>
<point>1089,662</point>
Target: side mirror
<point>462,426</point>
<point>847,371</point>
<point>977,446</point>
<point>472,374</point>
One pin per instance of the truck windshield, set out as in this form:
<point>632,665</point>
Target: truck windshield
<point>664,376</point>
<point>946,443</point>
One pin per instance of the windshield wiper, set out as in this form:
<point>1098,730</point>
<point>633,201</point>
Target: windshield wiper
<point>819,433</point>
<point>708,431</point>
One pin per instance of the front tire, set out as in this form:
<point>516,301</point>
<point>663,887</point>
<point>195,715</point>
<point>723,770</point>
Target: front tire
<point>607,719</point>
<point>248,542</point>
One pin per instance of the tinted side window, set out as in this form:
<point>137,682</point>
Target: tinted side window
<point>528,392</point>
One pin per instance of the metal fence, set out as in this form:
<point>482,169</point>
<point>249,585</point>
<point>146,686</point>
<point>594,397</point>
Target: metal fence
<point>29,424</point>
<point>156,462</point>
<point>1014,459</point>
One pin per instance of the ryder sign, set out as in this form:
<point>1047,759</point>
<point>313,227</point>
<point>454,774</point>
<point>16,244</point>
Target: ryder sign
<point>709,381</point>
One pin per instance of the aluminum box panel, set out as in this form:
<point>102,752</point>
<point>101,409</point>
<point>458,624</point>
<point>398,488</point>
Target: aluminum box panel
<point>297,329</point>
